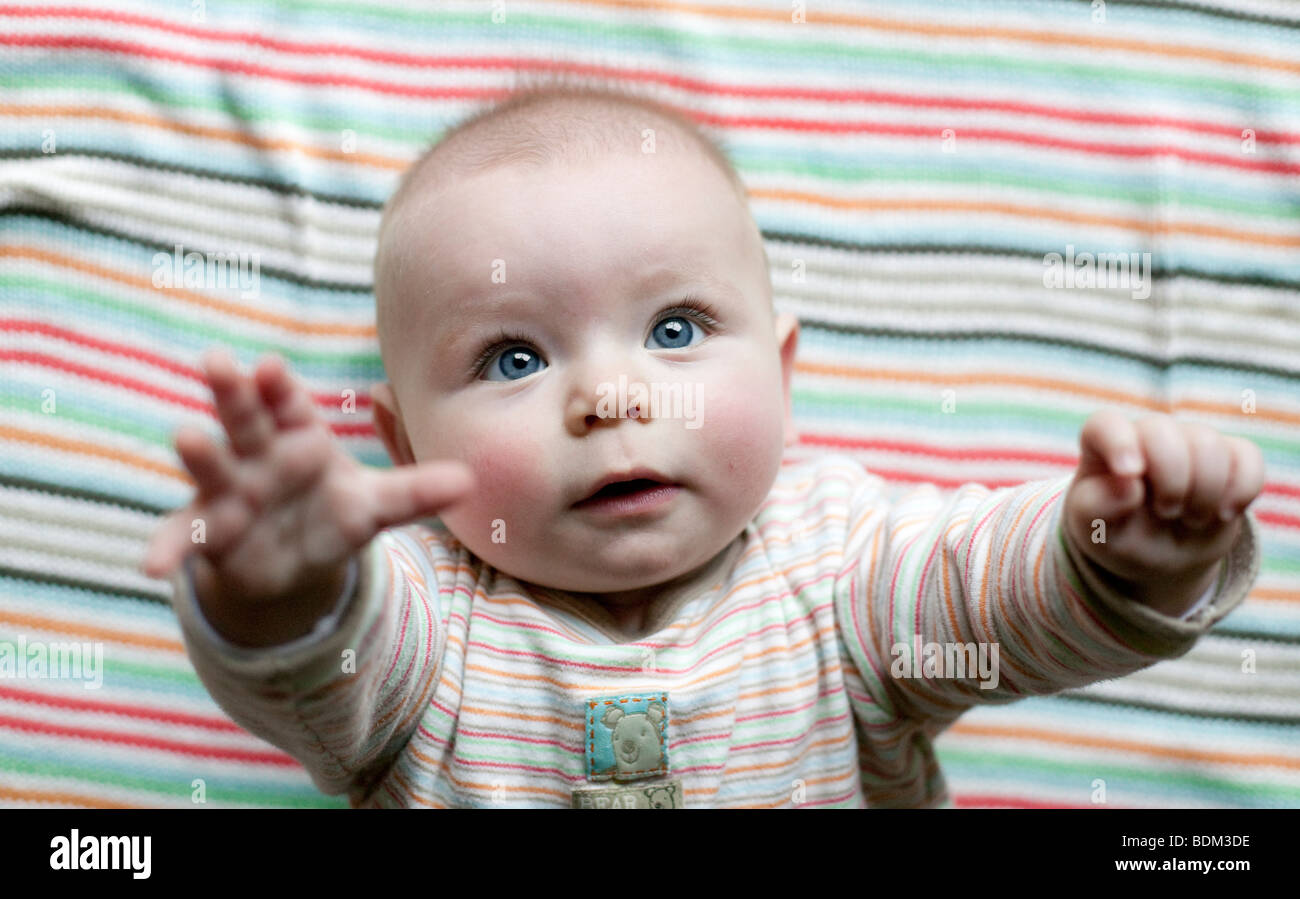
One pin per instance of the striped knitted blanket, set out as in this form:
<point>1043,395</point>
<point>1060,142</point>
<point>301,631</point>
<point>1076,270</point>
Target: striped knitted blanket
<point>992,219</point>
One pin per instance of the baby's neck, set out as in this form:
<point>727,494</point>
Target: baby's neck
<point>633,614</point>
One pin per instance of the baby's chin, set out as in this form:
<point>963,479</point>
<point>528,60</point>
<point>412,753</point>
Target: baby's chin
<point>608,563</point>
<point>621,578</point>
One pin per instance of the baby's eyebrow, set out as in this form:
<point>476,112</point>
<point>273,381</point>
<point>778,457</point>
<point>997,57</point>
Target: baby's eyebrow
<point>476,309</point>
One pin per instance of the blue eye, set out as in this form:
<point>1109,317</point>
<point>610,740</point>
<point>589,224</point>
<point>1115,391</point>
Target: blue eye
<point>674,333</point>
<point>512,364</point>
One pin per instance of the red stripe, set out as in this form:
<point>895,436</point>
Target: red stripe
<point>843,797</point>
<point>993,454</point>
<point>998,454</point>
<point>1000,134</point>
<point>800,125</point>
<point>1278,520</point>
<point>495,735</point>
<point>95,374</point>
<point>118,708</point>
<point>711,88</point>
<point>363,428</point>
<point>278,759</point>
<point>535,769</point>
<point>21,325</point>
<point>819,723</point>
<point>983,800</point>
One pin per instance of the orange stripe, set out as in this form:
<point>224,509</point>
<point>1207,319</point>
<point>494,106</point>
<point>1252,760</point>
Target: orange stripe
<point>848,775</point>
<point>516,716</point>
<point>960,635</point>
<point>438,768</point>
<point>234,310</point>
<point>78,799</point>
<point>475,785</point>
<point>1168,752</point>
<point>790,763</point>
<point>868,634</point>
<point>1006,620</point>
<point>1009,620</point>
<point>1145,227</point>
<point>1039,595</point>
<point>84,630</point>
<point>1274,594</point>
<point>447,682</point>
<point>206,131</point>
<point>982,33</point>
<point>679,625</point>
<point>980,378</point>
<point>85,447</point>
<point>595,686</point>
<point>406,788</point>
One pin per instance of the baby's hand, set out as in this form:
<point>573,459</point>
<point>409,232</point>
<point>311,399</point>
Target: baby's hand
<point>282,508</point>
<point>1163,536</point>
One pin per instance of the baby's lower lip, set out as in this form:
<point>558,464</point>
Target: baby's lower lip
<point>639,502</point>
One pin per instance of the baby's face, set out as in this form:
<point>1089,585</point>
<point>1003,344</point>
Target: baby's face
<point>561,282</point>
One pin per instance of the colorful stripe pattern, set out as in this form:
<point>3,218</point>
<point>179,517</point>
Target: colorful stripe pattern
<point>789,686</point>
<point>912,166</point>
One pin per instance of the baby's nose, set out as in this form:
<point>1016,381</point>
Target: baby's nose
<point>634,410</point>
<point>608,405</point>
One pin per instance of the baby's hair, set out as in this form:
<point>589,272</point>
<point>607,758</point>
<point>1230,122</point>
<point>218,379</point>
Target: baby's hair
<point>558,122</point>
<point>551,122</point>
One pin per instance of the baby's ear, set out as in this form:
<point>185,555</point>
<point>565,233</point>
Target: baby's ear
<point>787,339</point>
<point>388,422</point>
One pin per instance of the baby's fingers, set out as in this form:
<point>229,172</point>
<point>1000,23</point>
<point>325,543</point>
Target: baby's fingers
<point>211,465</point>
<point>245,417</point>
<point>168,545</point>
<point>290,404</point>
<point>209,528</point>
<point>411,492</point>
<point>1245,480</point>
<point>1110,444</point>
<point>213,470</point>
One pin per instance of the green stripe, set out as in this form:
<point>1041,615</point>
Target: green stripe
<point>987,764</point>
<point>287,346</point>
<point>813,402</point>
<point>1085,186</point>
<point>534,30</point>
<point>184,677</point>
<point>70,410</point>
<point>272,794</point>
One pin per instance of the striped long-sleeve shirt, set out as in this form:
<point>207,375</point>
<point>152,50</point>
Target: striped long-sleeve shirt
<point>793,682</point>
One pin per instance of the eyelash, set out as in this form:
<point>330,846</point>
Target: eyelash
<point>690,307</point>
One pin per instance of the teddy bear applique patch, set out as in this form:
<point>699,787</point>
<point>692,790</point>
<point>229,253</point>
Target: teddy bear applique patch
<point>627,740</point>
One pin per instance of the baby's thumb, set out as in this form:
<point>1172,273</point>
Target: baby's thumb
<point>167,545</point>
<point>411,492</point>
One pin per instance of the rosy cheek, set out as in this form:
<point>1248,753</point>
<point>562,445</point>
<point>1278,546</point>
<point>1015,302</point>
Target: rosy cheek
<point>509,465</point>
<point>742,421</point>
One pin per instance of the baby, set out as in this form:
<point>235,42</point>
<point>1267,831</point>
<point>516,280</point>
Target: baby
<point>568,592</point>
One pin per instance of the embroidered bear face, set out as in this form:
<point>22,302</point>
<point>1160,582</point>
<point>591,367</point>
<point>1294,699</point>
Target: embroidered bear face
<point>636,740</point>
<point>660,797</point>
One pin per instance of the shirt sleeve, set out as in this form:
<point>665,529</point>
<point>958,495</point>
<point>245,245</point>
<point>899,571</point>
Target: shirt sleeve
<point>977,597</point>
<point>344,699</point>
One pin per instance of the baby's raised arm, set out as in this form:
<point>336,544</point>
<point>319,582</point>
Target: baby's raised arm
<point>985,596</point>
<point>283,508</point>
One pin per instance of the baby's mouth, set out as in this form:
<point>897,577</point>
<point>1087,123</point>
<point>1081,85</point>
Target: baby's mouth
<point>620,488</point>
<point>628,493</point>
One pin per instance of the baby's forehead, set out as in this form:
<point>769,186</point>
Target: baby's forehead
<point>619,206</point>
